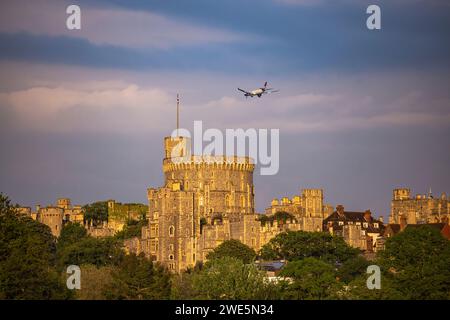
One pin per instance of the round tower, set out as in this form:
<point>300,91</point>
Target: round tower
<point>223,184</point>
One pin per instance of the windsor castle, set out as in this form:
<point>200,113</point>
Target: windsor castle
<point>206,200</point>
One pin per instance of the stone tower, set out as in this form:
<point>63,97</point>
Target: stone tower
<point>419,209</point>
<point>199,192</point>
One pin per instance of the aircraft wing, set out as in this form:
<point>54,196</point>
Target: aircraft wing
<point>243,91</point>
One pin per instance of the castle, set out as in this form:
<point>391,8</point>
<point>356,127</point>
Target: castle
<point>206,200</point>
<point>55,216</point>
<point>419,209</point>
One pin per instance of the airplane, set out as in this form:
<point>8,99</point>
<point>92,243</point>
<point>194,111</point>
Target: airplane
<point>258,92</point>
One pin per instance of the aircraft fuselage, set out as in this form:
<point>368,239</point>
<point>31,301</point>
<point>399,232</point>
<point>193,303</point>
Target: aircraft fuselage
<point>257,92</point>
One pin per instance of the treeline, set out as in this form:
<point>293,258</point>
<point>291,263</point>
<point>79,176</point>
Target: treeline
<point>414,265</point>
<point>33,264</point>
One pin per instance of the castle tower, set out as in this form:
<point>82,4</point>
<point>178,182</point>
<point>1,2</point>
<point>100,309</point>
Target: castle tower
<point>199,193</point>
<point>401,194</point>
<point>313,202</point>
<point>63,203</point>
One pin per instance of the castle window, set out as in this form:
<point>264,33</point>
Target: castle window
<point>341,223</point>
<point>171,231</point>
<point>358,223</point>
<point>227,201</point>
<point>375,225</point>
<point>242,201</point>
<point>365,225</point>
<point>170,256</point>
<point>170,247</point>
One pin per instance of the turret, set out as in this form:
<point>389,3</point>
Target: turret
<point>401,194</point>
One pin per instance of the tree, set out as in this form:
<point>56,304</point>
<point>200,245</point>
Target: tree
<point>297,245</point>
<point>279,216</point>
<point>71,233</point>
<point>96,212</point>
<point>229,278</point>
<point>312,279</point>
<point>352,268</point>
<point>138,279</point>
<point>27,256</point>
<point>133,228</point>
<point>235,249</point>
<point>94,282</point>
<point>89,250</point>
<point>417,261</point>
<point>357,290</point>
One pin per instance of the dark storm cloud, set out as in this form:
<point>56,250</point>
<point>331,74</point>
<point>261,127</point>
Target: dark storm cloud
<point>275,37</point>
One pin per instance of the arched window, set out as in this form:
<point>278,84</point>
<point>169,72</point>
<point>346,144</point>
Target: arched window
<point>242,201</point>
<point>227,200</point>
<point>171,231</point>
<point>171,257</point>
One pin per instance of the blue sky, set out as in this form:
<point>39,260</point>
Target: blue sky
<point>83,112</point>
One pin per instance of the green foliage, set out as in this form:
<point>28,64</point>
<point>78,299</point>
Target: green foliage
<point>132,229</point>
<point>297,245</point>
<point>280,216</point>
<point>95,282</point>
<point>89,250</point>
<point>235,249</point>
<point>230,278</point>
<point>312,279</point>
<point>27,256</point>
<point>138,279</point>
<point>352,268</point>
<point>96,212</point>
<point>417,262</point>
<point>122,211</point>
<point>71,233</point>
<point>357,290</point>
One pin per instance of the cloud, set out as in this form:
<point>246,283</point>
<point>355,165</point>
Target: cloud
<point>38,98</point>
<point>60,109</point>
<point>109,26</point>
<point>117,107</point>
<point>356,2</point>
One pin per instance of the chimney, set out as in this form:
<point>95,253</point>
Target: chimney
<point>403,222</point>
<point>367,215</point>
<point>340,209</point>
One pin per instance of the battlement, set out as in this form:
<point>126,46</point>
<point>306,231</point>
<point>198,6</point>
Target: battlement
<point>212,162</point>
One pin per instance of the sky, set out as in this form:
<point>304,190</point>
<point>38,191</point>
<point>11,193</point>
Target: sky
<point>83,113</point>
